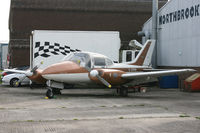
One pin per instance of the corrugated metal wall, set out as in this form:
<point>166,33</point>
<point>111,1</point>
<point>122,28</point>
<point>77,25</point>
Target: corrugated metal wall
<point>3,55</point>
<point>178,33</point>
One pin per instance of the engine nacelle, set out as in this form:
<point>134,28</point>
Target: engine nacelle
<point>37,77</point>
<point>110,75</point>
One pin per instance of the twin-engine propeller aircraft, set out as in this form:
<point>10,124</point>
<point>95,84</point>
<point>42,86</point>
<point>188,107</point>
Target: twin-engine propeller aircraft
<point>86,68</point>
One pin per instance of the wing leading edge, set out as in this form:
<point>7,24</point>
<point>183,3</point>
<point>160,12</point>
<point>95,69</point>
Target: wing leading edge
<point>155,73</point>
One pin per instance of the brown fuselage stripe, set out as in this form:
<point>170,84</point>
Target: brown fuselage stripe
<point>72,68</point>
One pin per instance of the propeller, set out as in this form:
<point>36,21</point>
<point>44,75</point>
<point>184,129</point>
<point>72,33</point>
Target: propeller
<point>33,70</point>
<point>20,80</point>
<point>95,73</point>
<point>26,73</point>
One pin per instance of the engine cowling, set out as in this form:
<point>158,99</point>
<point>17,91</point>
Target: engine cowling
<point>37,77</point>
<point>110,75</point>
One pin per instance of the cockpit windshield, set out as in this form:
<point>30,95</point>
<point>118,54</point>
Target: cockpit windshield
<point>90,60</point>
<point>83,59</point>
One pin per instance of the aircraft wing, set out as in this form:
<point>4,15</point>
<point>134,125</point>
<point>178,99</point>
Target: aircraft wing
<point>155,73</point>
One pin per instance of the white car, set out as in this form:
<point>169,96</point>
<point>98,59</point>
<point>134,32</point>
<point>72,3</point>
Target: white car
<point>12,80</point>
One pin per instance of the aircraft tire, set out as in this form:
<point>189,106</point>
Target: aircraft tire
<point>50,93</point>
<point>123,91</point>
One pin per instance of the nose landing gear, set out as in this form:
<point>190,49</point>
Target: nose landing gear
<point>52,91</point>
<point>53,88</point>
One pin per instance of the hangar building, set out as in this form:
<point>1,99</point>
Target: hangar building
<point>178,34</point>
<point>126,16</point>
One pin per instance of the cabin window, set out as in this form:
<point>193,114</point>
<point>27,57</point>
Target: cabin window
<point>99,61</point>
<point>109,62</point>
<point>136,53</point>
<point>128,56</point>
<point>89,64</point>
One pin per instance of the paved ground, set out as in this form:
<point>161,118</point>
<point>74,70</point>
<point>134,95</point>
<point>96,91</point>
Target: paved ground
<point>23,110</point>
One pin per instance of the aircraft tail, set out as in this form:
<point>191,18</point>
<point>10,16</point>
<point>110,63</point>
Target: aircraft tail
<point>145,55</point>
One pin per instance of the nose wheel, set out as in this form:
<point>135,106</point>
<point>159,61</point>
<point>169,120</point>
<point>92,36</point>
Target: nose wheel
<point>52,91</point>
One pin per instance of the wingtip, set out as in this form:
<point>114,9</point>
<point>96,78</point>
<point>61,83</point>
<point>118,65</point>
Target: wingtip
<point>191,70</point>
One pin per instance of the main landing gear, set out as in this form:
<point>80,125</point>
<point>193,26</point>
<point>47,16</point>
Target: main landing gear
<point>122,91</point>
<point>52,91</point>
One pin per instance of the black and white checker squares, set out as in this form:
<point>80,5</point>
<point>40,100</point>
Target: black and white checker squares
<point>45,50</point>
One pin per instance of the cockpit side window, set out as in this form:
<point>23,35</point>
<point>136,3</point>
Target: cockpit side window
<point>99,61</point>
<point>89,64</point>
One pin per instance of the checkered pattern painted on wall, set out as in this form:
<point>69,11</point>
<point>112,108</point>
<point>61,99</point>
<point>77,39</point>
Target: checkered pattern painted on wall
<point>47,49</point>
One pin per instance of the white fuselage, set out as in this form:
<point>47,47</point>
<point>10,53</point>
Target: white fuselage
<point>74,78</point>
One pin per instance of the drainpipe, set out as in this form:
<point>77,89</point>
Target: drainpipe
<point>154,28</point>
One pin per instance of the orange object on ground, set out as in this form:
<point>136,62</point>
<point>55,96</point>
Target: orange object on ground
<point>192,83</point>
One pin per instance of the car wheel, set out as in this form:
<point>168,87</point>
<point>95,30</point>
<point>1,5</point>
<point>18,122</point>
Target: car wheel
<point>14,82</point>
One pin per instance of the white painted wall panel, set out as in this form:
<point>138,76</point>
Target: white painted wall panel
<point>103,42</point>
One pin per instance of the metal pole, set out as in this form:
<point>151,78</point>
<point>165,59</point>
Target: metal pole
<point>154,28</point>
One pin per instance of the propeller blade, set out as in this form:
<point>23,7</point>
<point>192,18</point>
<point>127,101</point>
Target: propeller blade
<point>95,73</point>
<point>29,73</point>
<point>36,67</point>
<point>104,81</point>
<point>20,80</point>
